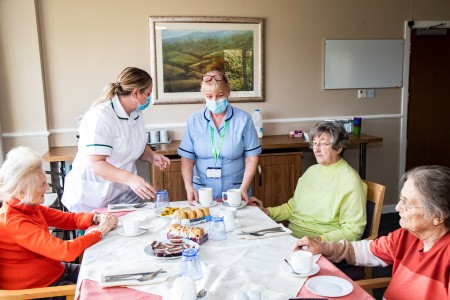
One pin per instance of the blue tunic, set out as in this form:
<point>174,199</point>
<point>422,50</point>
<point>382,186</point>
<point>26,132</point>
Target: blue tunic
<point>240,141</point>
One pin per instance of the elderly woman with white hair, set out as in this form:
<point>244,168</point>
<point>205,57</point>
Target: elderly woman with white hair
<point>30,256</point>
<point>419,251</point>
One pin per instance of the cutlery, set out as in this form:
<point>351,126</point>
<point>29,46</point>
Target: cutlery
<point>293,272</point>
<point>150,276</point>
<point>137,205</point>
<point>274,229</point>
<point>263,233</point>
<point>129,276</point>
<point>201,293</point>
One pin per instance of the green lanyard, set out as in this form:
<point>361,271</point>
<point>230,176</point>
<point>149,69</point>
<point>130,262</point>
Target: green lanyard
<point>216,150</point>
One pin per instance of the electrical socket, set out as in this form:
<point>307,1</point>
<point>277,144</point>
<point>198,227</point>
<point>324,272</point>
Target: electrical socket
<point>362,94</point>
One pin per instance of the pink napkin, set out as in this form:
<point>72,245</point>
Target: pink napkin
<point>91,290</point>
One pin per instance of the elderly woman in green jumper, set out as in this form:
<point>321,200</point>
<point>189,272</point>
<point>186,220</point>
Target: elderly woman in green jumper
<point>330,199</point>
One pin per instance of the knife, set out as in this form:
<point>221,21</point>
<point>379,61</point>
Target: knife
<point>273,229</point>
<point>155,274</point>
<point>122,276</point>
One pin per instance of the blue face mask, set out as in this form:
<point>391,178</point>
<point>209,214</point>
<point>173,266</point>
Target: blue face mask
<point>143,106</point>
<point>217,107</point>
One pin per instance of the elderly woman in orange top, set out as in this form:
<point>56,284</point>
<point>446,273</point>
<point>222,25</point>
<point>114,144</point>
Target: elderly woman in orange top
<point>30,256</point>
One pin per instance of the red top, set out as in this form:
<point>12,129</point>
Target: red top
<point>415,274</point>
<point>30,256</point>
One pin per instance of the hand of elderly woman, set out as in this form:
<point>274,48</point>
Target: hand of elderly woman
<point>313,245</point>
<point>107,223</point>
<point>142,188</point>
<point>258,203</point>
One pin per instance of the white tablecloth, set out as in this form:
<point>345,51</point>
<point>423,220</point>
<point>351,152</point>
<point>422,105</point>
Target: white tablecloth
<point>227,265</point>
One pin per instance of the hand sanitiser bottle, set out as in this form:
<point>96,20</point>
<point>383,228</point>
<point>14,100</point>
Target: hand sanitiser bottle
<point>258,122</point>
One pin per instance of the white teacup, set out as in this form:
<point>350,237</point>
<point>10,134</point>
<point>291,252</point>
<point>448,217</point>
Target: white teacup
<point>229,215</point>
<point>302,261</point>
<point>205,196</point>
<point>131,226</point>
<point>232,197</point>
<point>183,288</point>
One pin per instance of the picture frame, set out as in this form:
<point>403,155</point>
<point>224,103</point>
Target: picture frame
<point>183,49</point>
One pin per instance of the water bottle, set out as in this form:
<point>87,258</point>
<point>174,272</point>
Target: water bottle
<point>258,122</point>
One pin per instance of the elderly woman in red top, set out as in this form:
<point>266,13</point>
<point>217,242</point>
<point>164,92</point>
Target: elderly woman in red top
<point>419,251</point>
<point>30,256</point>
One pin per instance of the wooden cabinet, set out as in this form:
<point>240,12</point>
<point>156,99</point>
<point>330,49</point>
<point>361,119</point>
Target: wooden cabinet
<point>274,183</point>
<point>170,180</point>
<point>276,177</point>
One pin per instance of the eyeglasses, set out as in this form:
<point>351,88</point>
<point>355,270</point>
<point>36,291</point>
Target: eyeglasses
<point>321,145</point>
<point>217,77</point>
<point>402,203</point>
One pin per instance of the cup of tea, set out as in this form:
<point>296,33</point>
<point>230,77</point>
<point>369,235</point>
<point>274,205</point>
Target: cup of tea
<point>232,197</point>
<point>131,226</point>
<point>302,261</point>
<point>205,196</point>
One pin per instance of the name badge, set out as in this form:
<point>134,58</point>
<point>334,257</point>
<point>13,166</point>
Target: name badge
<point>213,172</point>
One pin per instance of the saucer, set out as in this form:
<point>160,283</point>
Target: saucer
<point>198,204</point>
<point>236,225</point>
<point>285,268</point>
<point>237,207</point>
<point>123,233</point>
<point>329,286</point>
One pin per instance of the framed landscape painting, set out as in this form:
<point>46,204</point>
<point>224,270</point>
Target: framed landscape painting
<point>183,49</point>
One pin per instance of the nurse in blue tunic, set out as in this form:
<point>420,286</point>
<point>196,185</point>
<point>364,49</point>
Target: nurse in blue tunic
<point>220,146</point>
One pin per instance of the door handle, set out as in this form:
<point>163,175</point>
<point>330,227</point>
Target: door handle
<point>260,175</point>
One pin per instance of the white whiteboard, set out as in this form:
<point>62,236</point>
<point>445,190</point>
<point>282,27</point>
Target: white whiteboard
<point>363,64</point>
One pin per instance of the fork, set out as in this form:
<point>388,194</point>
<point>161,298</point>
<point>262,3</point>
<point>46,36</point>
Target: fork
<point>131,276</point>
<point>141,279</point>
<point>275,229</point>
<point>263,233</point>
<point>137,205</point>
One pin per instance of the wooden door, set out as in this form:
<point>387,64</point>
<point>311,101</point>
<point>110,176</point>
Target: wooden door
<point>170,180</point>
<point>428,137</point>
<point>276,177</point>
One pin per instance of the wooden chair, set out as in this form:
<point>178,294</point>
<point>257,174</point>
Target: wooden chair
<point>374,283</point>
<point>52,291</point>
<point>374,205</point>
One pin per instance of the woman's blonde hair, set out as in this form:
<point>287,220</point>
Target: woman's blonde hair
<point>129,79</point>
<point>215,85</point>
<point>19,174</point>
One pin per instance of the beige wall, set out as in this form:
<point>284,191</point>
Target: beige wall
<point>82,45</point>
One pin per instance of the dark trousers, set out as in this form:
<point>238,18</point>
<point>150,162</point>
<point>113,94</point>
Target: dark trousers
<point>70,276</point>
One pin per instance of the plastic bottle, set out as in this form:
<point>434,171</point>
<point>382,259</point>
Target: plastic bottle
<point>258,122</point>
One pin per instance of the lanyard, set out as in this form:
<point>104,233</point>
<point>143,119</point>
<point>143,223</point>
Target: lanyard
<point>216,150</point>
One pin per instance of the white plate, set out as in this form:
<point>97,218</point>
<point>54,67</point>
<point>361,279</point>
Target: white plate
<point>285,268</point>
<point>158,211</point>
<point>329,286</point>
<point>198,204</point>
<point>123,233</point>
<point>148,249</point>
<point>236,225</point>
<point>237,207</point>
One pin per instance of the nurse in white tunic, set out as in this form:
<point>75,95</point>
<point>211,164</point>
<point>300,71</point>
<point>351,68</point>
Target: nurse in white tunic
<point>220,146</point>
<point>112,138</point>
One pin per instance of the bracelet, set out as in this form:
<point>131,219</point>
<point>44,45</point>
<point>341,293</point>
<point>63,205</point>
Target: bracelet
<point>95,219</point>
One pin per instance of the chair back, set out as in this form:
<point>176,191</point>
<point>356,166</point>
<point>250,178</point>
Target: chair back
<point>36,293</point>
<point>374,205</point>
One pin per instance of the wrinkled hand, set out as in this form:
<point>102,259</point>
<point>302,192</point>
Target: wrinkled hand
<point>192,195</point>
<point>312,244</point>
<point>160,161</point>
<point>107,223</point>
<point>259,203</point>
<point>142,188</point>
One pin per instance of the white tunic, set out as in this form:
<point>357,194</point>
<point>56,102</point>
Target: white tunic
<point>105,129</point>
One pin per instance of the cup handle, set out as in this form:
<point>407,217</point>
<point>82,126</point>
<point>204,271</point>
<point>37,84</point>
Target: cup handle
<point>224,194</point>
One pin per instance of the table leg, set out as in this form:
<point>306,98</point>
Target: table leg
<point>362,160</point>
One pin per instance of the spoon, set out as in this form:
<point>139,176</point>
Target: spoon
<point>201,293</point>
<point>293,272</point>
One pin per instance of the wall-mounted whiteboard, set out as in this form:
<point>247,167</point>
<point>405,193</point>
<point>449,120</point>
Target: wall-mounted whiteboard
<point>363,64</point>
